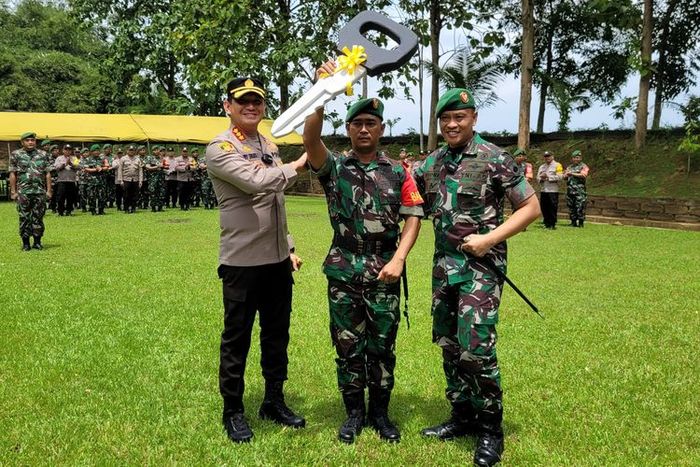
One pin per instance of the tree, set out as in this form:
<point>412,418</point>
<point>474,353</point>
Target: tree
<point>676,37</point>
<point>334,119</point>
<point>691,141</point>
<point>526,70</point>
<point>390,122</point>
<point>645,71</point>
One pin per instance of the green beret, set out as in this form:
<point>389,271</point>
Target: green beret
<point>519,152</point>
<point>28,134</point>
<point>83,151</point>
<point>106,146</point>
<point>95,147</point>
<point>371,106</point>
<point>53,146</point>
<point>576,153</point>
<point>455,99</point>
<point>46,142</point>
<point>141,146</point>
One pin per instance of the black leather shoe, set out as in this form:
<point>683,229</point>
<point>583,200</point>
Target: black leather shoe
<point>25,244</point>
<point>386,428</point>
<point>489,448</point>
<point>351,427</point>
<point>37,244</point>
<point>449,429</point>
<point>278,412</point>
<point>237,428</point>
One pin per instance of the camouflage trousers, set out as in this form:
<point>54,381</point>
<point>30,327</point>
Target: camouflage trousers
<point>464,327</point>
<point>31,209</point>
<point>156,190</point>
<point>196,191</point>
<point>364,320</point>
<point>96,194</point>
<point>82,194</point>
<point>576,200</point>
<point>208,196</point>
<point>110,186</point>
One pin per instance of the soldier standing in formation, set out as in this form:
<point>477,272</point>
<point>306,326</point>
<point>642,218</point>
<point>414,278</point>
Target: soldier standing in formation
<point>368,195</point>
<point>170,177</point>
<point>142,202</point>
<point>66,167</point>
<point>54,152</point>
<point>92,167</point>
<point>207,189</point>
<point>520,156</point>
<point>182,167</point>
<point>155,178</point>
<point>130,177</point>
<point>109,176</point>
<point>576,196</point>
<point>118,188</point>
<point>549,175</point>
<point>464,185</point>
<point>196,187</point>
<point>30,186</point>
<point>256,259</point>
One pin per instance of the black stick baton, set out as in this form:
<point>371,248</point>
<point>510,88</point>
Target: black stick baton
<point>490,264</point>
<point>404,278</point>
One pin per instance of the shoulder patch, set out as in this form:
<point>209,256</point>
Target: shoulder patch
<point>226,146</point>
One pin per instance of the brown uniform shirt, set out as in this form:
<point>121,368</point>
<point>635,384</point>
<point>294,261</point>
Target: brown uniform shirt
<point>253,219</point>
<point>129,169</point>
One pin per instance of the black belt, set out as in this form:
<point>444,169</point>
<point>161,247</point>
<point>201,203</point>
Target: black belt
<point>364,247</point>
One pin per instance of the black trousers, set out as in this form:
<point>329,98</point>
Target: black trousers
<point>268,290</point>
<point>184,192</point>
<point>66,196</point>
<point>549,204</point>
<point>171,198</point>
<point>119,196</point>
<point>131,195</point>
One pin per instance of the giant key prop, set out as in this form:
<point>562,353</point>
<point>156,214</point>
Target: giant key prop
<point>360,57</point>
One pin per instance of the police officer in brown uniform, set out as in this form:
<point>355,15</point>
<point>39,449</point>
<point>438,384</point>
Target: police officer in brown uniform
<point>256,255</point>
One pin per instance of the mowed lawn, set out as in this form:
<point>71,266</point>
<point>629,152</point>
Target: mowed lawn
<point>109,343</point>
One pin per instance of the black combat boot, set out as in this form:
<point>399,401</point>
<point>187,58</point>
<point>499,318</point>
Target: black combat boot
<point>352,426</point>
<point>273,407</point>
<point>574,223</point>
<point>25,244</point>
<point>489,444</point>
<point>237,428</point>
<point>580,223</point>
<point>462,422</point>
<point>37,243</point>
<point>378,415</point>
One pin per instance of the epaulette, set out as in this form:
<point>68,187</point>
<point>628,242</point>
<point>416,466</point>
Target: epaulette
<point>238,134</point>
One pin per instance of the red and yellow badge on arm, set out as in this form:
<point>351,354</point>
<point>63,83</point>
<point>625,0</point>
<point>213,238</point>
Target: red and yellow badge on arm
<point>409,192</point>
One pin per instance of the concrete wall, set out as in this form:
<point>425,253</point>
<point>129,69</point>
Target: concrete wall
<point>656,209</point>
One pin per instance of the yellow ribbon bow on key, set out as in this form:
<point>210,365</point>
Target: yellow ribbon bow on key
<point>350,61</point>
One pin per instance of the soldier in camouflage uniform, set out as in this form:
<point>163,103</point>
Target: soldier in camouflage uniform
<point>30,185</point>
<point>95,187</point>
<point>206,187</point>
<point>576,196</point>
<point>108,174</point>
<point>54,152</point>
<point>368,195</point>
<point>82,187</point>
<point>464,185</point>
<point>196,179</point>
<point>155,179</point>
<point>142,153</point>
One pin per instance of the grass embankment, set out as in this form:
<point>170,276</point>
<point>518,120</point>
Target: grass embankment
<point>109,349</point>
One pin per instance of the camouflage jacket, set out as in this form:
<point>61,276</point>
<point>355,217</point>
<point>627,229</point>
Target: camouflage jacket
<point>366,202</point>
<point>153,160</point>
<point>577,183</point>
<point>31,168</point>
<point>90,162</point>
<point>464,192</point>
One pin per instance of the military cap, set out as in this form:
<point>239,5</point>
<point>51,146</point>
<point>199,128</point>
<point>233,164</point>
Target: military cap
<point>455,99</point>
<point>53,146</point>
<point>371,106</point>
<point>170,148</point>
<point>519,152</point>
<point>243,85</point>
<point>120,150</point>
<point>95,147</point>
<point>46,142</point>
<point>131,146</point>
<point>106,146</point>
<point>184,149</point>
<point>84,150</point>
<point>67,146</point>
<point>28,134</point>
<point>576,153</point>
<point>141,146</point>
<point>547,153</point>
<point>195,150</point>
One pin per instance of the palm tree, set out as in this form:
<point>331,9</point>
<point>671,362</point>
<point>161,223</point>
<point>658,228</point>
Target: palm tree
<point>480,77</point>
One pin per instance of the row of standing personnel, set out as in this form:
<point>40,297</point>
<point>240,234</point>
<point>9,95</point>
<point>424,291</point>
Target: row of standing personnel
<point>104,176</point>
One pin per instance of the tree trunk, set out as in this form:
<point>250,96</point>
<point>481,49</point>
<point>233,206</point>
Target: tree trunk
<point>544,86</point>
<point>435,27</point>
<point>661,68</point>
<point>420,98</point>
<point>645,77</point>
<point>658,105</point>
<point>527,59</point>
<point>284,96</point>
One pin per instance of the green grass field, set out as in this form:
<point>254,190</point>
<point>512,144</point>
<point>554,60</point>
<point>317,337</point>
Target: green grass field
<point>109,349</point>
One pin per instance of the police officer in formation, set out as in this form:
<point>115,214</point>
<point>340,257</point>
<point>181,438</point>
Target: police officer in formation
<point>464,185</point>
<point>66,167</point>
<point>368,196</point>
<point>549,174</point>
<point>30,186</point>
<point>130,177</point>
<point>576,197</point>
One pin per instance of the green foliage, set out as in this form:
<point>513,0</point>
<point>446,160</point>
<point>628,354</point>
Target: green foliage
<point>110,349</point>
<point>49,62</point>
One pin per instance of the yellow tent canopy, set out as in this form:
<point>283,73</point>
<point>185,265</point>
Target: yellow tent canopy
<point>124,127</point>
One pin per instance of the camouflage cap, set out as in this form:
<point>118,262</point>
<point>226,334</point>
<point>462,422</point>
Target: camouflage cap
<point>519,152</point>
<point>53,146</point>
<point>576,153</point>
<point>46,142</point>
<point>106,146</point>
<point>372,106</point>
<point>27,134</point>
<point>455,99</point>
<point>84,151</point>
<point>95,147</point>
